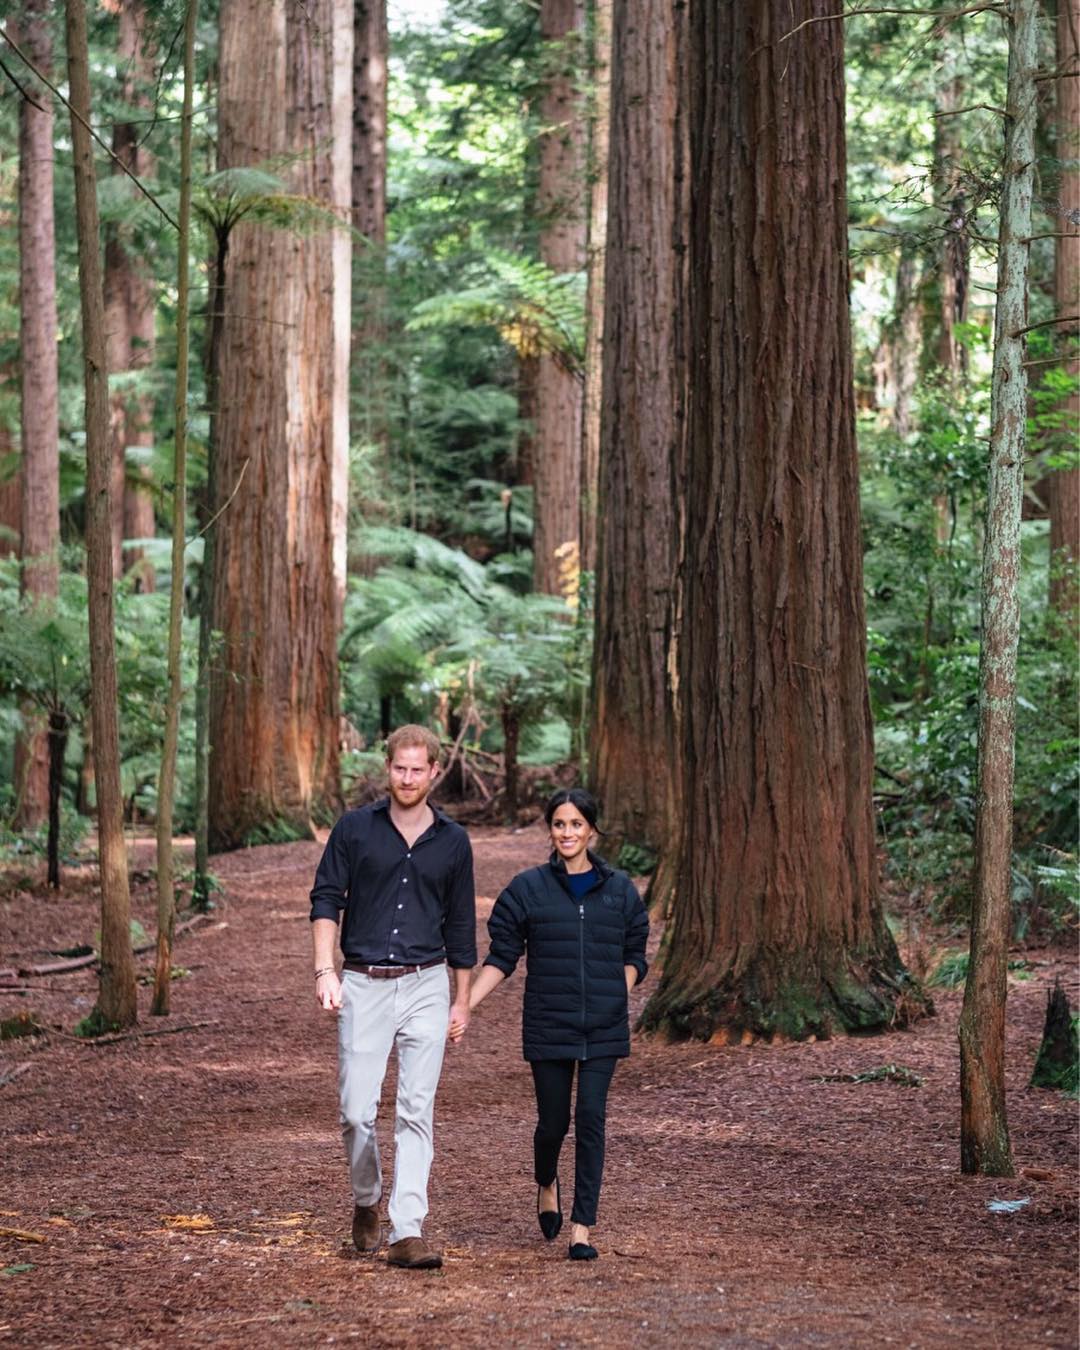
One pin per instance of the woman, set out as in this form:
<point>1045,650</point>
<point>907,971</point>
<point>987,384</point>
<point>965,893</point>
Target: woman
<point>583,930</point>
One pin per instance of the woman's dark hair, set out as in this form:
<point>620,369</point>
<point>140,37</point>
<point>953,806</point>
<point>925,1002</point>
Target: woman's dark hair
<point>584,801</point>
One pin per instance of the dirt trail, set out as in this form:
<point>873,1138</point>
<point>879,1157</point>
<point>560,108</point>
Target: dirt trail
<point>745,1204</point>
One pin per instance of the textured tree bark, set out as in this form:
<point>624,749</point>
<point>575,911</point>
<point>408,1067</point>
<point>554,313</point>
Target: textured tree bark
<point>57,736</point>
<point>129,309</point>
<point>777,926</point>
<point>116,1005</point>
<point>631,753</point>
<point>1064,494</point>
<point>984,1130</point>
<point>560,205</point>
<point>599,141</point>
<point>274,704</point>
<point>166,897</point>
<point>39,505</point>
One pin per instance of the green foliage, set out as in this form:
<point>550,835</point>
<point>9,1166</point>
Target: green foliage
<point>637,859</point>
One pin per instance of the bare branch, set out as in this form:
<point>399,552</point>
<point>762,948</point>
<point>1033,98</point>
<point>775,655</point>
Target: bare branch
<point>914,13</point>
<point>1047,323</point>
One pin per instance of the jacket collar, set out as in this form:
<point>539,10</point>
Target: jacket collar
<point>603,869</point>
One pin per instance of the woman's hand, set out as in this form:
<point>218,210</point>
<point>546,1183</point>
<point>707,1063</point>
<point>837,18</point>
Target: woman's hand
<point>459,1022</point>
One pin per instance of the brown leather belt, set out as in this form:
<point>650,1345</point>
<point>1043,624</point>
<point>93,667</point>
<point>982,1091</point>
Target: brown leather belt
<point>391,972</point>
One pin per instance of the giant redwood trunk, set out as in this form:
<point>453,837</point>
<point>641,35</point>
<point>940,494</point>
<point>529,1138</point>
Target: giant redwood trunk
<point>632,762</point>
<point>116,1004</point>
<point>984,1132</point>
<point>560,204</point>
<point>129,306</point>
<point>39,518</point>
<point>286,72</point>
<point>777,927</point>
<point>1065,483</point>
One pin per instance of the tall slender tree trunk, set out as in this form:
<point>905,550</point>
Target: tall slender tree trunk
<point>166,906</point>
<point>1064,484</point>
<point>39,517</point>
<point>116,1004</point>
<point>561,207</point>
<point>632,759</point>
<point>904,341</point>
<point>599,140</point>
<point>129,307</point>
<point>209,526</point>
<point>371,50</point>
<point>777,928</point>
<point>984,1131</point>
<point>286,74</point>
<point>953,264</point>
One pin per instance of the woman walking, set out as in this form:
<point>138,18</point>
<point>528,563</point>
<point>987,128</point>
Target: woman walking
<point>582,928</point>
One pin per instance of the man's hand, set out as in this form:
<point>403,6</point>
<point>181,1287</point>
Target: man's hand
<point>328,991</point>
<point>459,1022</point>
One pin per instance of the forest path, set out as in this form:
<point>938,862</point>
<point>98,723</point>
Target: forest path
<point>745,1204</point>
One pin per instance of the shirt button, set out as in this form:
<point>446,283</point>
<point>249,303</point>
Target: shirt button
<point>404,881</point>
<point>408,855</point>
<point>395,930</point>
<point>401,906</point>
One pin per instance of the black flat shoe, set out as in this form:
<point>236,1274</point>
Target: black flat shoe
<point>581,1251</point>
<point>550,1219</point>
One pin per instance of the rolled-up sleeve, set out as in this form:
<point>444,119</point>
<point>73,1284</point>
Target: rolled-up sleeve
<point>459,926</point>
<point>506,929</point>
<point>637,935</point>
<point>330,894</point>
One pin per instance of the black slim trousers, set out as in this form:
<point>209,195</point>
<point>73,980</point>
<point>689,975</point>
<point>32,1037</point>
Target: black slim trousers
<point>553,1080</point>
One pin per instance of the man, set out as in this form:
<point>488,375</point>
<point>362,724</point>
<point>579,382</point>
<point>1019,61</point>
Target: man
<point>402,874</point>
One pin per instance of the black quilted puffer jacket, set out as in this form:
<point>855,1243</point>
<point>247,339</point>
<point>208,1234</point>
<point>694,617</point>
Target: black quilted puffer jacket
<point>575,951</point>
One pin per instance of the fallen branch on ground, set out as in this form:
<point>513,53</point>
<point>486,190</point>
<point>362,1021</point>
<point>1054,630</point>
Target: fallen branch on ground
<point>130,1035</point>
<point>14,1073</point>
<point>81,962</point>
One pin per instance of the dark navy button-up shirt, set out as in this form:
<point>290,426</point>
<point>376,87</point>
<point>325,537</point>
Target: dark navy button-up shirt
<point>402,905</point>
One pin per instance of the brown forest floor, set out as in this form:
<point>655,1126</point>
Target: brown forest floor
<point>745,1203</point>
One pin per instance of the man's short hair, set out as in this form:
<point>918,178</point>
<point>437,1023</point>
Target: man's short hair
<point>412,734</point>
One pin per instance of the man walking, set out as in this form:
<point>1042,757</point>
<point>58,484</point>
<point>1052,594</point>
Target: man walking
<point>401,873</point>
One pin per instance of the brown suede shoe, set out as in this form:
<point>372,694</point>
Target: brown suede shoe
<point>413,1253</point>
<point>365,1228</point>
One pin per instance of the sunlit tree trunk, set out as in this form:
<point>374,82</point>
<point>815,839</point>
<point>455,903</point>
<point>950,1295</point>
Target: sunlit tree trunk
<point>777,927</point>
<point>560,205</point>
<point>632,758</point>
<point>1064,494</point>
<point>984,1131</point>
<point>904,344</point>
<point>286,75</point>
<point>599,138</point>
<point>116,1004</point>
<point>39,500</point>
<point>129,305</point>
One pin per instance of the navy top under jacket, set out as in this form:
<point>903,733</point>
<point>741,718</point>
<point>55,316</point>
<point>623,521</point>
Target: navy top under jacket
<point>403,906</point>
<point>575,949</point>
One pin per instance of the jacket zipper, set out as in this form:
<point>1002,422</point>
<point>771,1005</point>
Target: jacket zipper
<point>581,962</point>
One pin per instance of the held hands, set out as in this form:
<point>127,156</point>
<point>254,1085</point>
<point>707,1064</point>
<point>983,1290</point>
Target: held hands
<point>328,990</point>
<point>459,1022</point>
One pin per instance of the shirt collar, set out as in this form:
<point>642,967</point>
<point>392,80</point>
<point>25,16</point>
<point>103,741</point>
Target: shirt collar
<point>441,818</point>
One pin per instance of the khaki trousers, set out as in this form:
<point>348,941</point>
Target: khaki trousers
<point>412,1013</point>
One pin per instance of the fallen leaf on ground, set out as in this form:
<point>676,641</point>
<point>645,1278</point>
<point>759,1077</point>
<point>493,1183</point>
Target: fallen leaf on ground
<point>189,1223</point>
